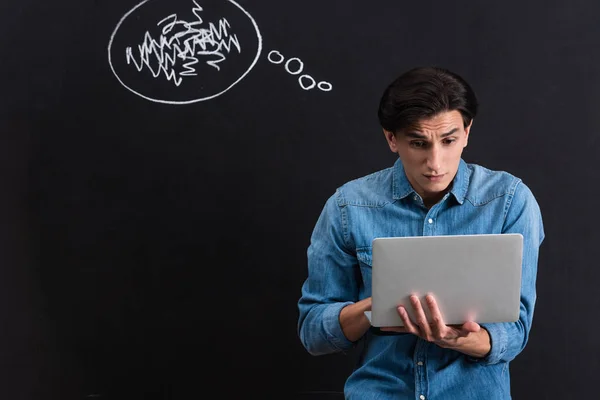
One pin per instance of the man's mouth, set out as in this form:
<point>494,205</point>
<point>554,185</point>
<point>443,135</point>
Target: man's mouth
<point>435,178</point>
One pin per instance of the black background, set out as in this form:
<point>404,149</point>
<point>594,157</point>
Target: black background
<point>154,251</point>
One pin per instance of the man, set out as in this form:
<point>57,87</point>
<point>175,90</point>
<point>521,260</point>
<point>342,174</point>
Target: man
<point>427,115</point>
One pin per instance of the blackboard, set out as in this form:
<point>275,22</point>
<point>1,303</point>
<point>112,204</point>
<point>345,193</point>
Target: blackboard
<point>154,227</point>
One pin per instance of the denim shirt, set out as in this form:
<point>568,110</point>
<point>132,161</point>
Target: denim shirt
<point>384,204</point>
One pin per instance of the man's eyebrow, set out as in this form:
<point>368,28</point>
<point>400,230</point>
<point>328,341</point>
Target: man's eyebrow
<point>417,135</point>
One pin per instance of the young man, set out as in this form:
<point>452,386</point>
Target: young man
<point>426,115</point>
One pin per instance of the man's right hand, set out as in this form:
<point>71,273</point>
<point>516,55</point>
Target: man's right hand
<point>353,320</point>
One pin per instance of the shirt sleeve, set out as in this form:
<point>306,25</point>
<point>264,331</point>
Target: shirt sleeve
<point>523,216</point>
<point>331,283</point>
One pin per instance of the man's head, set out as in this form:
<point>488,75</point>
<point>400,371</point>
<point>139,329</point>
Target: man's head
<point>426,115</point>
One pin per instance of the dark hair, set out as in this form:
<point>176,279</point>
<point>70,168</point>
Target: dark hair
<point>423,92</point>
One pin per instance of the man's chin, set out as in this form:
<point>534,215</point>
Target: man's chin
<point>435,187</point>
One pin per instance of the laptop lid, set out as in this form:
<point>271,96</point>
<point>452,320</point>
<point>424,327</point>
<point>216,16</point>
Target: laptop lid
<point>472,277</point>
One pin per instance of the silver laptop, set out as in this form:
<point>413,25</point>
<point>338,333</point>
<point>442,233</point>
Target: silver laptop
<point>472,277</point>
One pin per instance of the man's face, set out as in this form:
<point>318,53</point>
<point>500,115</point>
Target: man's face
<point>431,152</point>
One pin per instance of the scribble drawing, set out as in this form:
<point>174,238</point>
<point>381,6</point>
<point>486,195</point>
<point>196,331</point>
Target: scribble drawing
<point>186,43</point>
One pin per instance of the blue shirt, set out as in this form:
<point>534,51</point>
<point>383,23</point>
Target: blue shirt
<point>384,204</point>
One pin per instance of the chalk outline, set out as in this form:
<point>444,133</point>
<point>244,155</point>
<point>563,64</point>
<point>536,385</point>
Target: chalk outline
<point>301,65</point>
<point>287,69</point>
<point>280,55</point>
<point>309,87</point>
<point>326,83</point>
<point>112,37</point>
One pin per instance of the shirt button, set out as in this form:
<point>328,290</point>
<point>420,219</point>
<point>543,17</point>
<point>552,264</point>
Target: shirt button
<point>430,221</point>
<point>422,397</point>
<point>420,363</point>
<point>416,198</point>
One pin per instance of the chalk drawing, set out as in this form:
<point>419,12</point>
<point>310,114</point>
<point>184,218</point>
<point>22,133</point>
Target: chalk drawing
<point>295,66</point>
<point>185,57</point>
<point>176,49</point>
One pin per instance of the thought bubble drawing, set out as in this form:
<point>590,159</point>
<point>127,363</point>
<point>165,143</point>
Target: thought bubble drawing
<point>194,51</point>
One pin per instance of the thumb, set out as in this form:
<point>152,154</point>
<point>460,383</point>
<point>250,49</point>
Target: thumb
<point>471,327</point>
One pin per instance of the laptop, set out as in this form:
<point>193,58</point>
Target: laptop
<point>472,277</point>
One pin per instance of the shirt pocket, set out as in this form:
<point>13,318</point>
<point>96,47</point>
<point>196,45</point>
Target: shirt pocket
<point>365,261</point>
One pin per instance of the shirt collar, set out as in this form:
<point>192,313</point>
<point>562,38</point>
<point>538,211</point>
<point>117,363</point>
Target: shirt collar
<point>460,184</point>
<point>402,187</point>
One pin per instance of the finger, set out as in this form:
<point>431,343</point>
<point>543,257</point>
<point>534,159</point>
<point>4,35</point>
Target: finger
<point>408,324</point>
<point>421,319</point>
<point>438,326</point>
<point>466,329</point>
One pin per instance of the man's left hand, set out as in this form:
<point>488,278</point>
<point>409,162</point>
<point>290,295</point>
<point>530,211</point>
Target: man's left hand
<point>434,330</point>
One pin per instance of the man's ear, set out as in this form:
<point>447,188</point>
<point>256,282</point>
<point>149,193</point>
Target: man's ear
<point>467,131</point>
<point>390,137</point>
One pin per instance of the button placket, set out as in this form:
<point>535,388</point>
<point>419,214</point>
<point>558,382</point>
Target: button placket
<point>420,359</point>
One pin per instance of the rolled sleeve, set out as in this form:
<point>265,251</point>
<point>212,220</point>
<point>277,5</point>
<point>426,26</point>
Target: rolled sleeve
<point>332,327</point>
<point>498,342</point>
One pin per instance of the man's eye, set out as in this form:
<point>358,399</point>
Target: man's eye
<point>417,144</point>
<point>449,141</point>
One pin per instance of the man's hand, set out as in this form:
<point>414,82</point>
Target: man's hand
<point>468,338</point>
<point>353,321</point>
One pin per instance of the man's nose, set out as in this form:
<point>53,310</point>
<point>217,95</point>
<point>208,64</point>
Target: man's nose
<point>434,160</point>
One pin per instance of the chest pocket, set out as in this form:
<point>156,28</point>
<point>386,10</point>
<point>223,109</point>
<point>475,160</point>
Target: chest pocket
<point>365,261</point>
